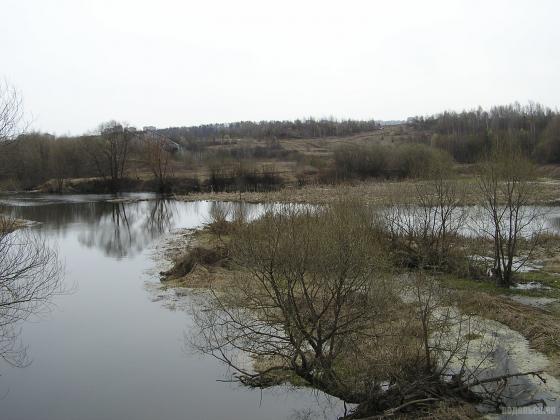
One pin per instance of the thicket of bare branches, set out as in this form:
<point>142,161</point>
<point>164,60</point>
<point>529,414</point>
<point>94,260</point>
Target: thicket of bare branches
<point>426,231</point>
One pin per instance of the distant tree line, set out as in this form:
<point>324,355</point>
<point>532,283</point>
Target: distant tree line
<point>111,159</point>
<point>112,150</point>
<point>308,128</point>
<point>470,135</point>
<point>116,157</point>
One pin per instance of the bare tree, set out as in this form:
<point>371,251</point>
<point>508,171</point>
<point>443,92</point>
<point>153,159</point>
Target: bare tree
<point>310,298</point>
<point>30,274</point>
<point>60,162</point>
<point>504,182</point>
<point>109,150</point>
<point>11,113</point>
<point>314,303</point>
<point>158,155</point>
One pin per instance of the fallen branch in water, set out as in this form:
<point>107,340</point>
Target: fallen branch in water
<point>537,373</point>
<point>392,411</point>
<point>430,393</point>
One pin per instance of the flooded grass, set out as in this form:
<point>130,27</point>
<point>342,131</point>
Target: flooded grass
<point>547,192</point>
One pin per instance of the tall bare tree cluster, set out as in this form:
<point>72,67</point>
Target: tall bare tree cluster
<point>469,135</point>
<point>306,128</point>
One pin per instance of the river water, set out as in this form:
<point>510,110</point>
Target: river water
<point>107,348</point>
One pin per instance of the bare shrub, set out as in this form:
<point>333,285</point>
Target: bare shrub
<point>426,232</point>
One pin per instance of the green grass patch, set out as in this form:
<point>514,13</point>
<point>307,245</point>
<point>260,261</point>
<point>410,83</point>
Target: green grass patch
<point>461,283</point>
<point>543,277</point>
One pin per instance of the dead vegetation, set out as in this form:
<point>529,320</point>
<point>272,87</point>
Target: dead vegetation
<point>206,259</point>
<point>540,327</point>
<point>9,224</point>
<point>204,263</point>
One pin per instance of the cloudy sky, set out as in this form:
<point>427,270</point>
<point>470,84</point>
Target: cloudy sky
<point>172,63</point>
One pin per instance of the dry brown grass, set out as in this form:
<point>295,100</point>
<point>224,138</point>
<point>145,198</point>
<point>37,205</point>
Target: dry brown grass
<point>202,264</point>
<point>8,224</point>
<point>374,192</point>
<point>541,328</point>
<point>202,277</point>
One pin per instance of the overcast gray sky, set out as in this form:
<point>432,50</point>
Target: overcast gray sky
<point>173,63</point>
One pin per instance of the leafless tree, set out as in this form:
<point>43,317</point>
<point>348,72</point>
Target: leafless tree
<point>158,155</point>
<point>312,294</point>
<point>30,271</point>
<point>60,163</point>
<point>11,113</point>
<point>30,274</point>
<point>504,182</point>
<point>109,150</point>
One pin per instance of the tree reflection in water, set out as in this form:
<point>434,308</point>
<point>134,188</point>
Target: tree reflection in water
<point>30,275</point>
<point>125,229</point>
<point>119,228</point>
<point>31,272</point>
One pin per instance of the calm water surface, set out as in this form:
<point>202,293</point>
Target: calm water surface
<point>109,349</point>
